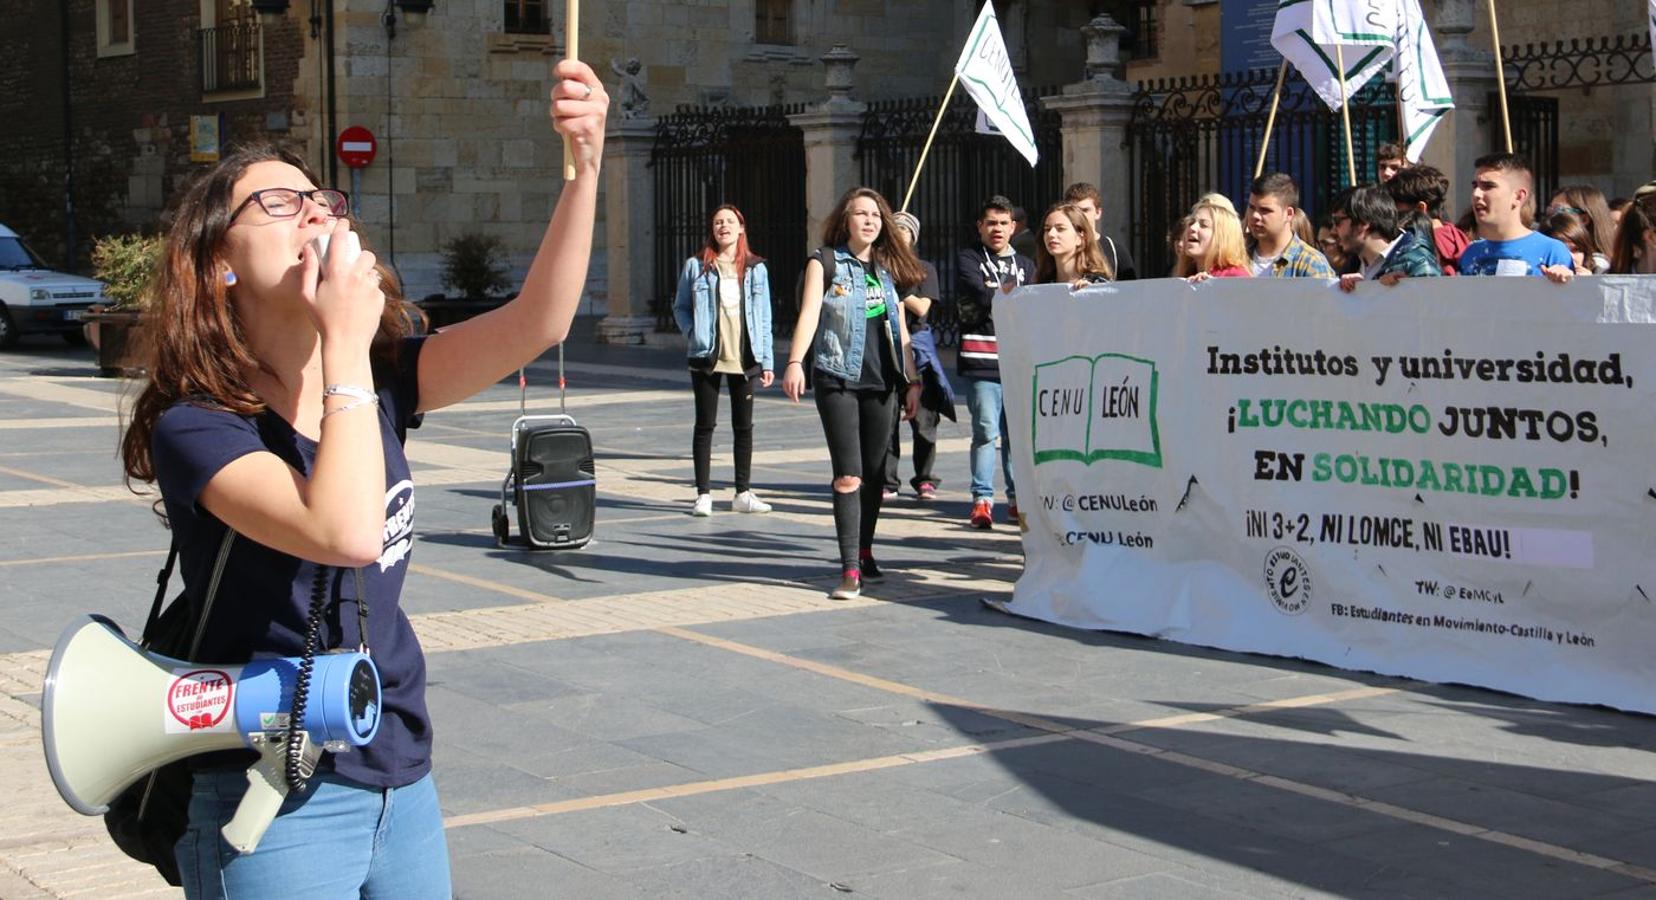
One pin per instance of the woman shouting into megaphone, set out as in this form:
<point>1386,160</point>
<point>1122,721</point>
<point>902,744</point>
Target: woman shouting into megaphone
<point>285,376</point>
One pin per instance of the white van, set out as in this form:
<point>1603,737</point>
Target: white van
<point>35,299</point>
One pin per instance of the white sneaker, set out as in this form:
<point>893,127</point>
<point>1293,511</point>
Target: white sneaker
<point>704,505</point>
<point>747,503</point>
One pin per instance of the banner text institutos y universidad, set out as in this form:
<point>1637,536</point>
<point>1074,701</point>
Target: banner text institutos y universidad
<point>1453,479</point>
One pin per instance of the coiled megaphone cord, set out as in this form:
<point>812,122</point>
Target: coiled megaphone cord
<point>295,748</point>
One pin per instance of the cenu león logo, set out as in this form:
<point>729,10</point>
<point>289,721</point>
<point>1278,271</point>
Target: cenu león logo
<point>1288,581</point>
<point>1098,407</point>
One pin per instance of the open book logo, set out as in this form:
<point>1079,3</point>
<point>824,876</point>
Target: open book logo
<point>1093,408</point>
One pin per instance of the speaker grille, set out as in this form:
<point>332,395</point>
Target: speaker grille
<point>557,486</point>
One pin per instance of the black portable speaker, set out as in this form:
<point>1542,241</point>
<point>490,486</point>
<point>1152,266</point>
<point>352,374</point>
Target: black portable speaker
<point>557,484</point>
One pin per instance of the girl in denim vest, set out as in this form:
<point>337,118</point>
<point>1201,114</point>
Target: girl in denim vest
<point>860,365</point>
<point>723,307</point>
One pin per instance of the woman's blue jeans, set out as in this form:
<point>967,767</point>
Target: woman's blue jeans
<point>338,839</point>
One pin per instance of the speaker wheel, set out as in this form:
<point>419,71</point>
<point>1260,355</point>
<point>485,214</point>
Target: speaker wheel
<point>502,527</point>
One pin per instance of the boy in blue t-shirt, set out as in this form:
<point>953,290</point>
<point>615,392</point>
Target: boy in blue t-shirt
<point>1505,245</point>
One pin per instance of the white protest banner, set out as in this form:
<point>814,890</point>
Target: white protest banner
<point>1307,33</point>
<point>1450,479</point>
<point>1422,91</point>
<point>985,70</point>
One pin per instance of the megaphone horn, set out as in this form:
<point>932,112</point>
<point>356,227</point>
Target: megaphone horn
<point>112,711</point>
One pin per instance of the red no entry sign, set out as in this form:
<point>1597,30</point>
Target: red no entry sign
<point>356,147</point>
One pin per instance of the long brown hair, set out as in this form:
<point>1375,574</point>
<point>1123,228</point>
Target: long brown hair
<point>1637,219</point>
<point>1595,216</point>
<point>744,255</point>
<point>889,251</point>
<point>1091,261</point>
<point>197,350</point>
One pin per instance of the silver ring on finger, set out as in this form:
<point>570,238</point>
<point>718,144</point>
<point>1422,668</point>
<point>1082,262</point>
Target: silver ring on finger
<point>588,91</point>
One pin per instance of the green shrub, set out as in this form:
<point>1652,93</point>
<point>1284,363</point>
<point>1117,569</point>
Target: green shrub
<point>126,263</point>
<point>474,266</point>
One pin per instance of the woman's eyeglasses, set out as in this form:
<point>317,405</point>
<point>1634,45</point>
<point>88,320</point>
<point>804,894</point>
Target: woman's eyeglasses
<point>283,203</point>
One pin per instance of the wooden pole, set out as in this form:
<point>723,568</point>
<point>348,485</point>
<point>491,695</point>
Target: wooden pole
<point>1270,119</point>
<point>572,44</point>
<point>1500,75</point>
<point>1402,124</point>
<point>1345,114</point>
<point>915,180</point>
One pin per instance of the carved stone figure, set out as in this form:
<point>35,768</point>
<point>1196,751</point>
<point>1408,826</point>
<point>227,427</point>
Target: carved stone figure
<point>635,104</point>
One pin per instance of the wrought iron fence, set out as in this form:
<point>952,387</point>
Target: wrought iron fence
<point>1190,136</point>
<point>752,157</point>
<point>1586,63</point>
<point>230,56</point>
<point>963,169</point>
<point>1579,62</point>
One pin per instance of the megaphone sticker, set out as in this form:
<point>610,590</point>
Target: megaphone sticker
<point>200,700</point>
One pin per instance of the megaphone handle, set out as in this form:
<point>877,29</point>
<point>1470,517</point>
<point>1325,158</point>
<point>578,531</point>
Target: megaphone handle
<point>266,789</point>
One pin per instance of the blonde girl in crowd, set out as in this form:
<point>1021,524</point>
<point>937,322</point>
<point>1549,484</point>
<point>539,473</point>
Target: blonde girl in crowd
<point>1213,246</point>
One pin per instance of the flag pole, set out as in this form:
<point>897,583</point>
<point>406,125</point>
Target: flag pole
<point>941,109</point>
<point>1500,76</point>
<point>572,44</point>
<point>1402,121</point>
<point>1270,120</point>
<point>1345,113</point>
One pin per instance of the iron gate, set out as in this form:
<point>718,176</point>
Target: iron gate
<point>1189,136</point>
<point>752,157</point>
<point>963,169</point>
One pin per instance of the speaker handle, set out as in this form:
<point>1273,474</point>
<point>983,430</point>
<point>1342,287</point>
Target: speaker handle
<point>267,787</point>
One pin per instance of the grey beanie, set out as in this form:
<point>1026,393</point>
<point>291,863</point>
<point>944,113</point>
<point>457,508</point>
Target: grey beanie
<point>907,220</point>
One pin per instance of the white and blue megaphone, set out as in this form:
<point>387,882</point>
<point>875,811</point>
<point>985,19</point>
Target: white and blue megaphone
<point>112,711</point>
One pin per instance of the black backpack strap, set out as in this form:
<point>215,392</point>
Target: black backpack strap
<point>161,579</point>
<point>825,256</point>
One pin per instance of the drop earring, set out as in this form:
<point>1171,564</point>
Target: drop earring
<point>229,279</point>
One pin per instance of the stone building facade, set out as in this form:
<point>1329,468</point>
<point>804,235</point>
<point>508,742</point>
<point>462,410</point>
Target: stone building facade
<point>457,102</point>
<point>100,97</point>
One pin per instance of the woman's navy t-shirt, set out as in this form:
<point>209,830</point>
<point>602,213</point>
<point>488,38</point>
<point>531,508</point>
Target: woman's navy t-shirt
<point>264,597</point>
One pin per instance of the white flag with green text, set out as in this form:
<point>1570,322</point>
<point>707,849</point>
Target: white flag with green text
<point>1308,33</point>
<point>1422,91</point>
<point>985,71</point>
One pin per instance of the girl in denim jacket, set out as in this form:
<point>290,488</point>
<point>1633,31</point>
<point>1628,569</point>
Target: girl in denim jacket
<point>723,307</point>
<point>860,365</point>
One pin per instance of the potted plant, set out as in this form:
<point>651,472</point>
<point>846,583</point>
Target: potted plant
<point>474,268</point>
<point>125,264</point>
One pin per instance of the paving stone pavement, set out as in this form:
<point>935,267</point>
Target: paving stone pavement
<point>678,711</point>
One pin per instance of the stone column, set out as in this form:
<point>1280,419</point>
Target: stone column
<point>1465,134</point>
<point>831,131</point>
<point>1095,114</point>
<point>629,230</point>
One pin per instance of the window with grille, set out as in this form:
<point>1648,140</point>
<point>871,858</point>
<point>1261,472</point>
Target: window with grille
<point>773,21</point>
<point>527,17</point>
<point>230,47</point>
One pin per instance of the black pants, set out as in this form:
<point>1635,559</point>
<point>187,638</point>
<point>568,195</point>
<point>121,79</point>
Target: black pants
<point>706,387</point>
<point>924,428</point>
<point>858,425</point>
